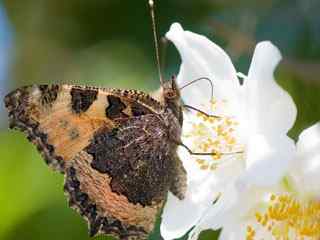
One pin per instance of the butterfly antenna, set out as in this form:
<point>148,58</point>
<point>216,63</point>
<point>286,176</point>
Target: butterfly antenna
<point>156,44</point>
<point>200,79</point>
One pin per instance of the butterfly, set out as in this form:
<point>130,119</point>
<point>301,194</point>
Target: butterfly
<point>116,148</point>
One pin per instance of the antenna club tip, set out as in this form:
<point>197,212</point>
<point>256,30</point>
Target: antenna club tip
<point>151,3</point>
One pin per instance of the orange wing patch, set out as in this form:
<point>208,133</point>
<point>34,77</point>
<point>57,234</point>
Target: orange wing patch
<point>46,114</point>
<point>67,131</point>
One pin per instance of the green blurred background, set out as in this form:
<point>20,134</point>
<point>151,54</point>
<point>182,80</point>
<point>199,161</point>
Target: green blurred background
<point>109,43</point>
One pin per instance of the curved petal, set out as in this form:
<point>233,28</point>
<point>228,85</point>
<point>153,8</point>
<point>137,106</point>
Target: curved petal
<point>307,165</point>
<point>309,141</point>
<point>233,232</point>
<point>229,209</point>
<point>267,160</point>
<point>202,58</point>
<point>178,217</point>
<point>219,214</point>
<point>271,110</point>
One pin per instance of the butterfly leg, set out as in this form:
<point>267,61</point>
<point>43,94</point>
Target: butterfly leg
<point>196,153</point>
<point>179,183</point>
<point>200,111</point>
<point>207,153</point>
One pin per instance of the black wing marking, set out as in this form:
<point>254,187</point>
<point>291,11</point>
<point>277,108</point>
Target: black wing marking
<point>137,156</point>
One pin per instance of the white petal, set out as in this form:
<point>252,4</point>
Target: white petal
<point>309,140</point>
<point>226,211</point>
<point>271,110</point>
<point>178,217</point>
<point>267,160</point>
<point>202,58</point>
<point>227,233</point>
<point>233,232</point>
<point>307,167</point>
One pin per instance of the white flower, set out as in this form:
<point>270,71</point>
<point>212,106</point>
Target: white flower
<point>255,118</point>
<point>289,209</point>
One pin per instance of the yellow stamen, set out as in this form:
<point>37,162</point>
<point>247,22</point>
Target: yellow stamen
<point>250,233</point>
<point>287,216</point>
<point>214,135</point>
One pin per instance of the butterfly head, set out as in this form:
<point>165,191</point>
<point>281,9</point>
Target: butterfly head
<point>171,97</point>
<point>170,91</point>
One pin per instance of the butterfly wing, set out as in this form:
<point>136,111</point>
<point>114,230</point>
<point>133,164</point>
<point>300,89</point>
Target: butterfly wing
<point>121,179</point>
<point>112,146</point>
<point>61,119</point>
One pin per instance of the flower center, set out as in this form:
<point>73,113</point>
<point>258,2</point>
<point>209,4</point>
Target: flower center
<point>216,135</point>
<point>289,218</point>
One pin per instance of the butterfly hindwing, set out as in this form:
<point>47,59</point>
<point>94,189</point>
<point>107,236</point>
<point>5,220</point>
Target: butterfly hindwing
<point>125,175</point>
<point>106,212</point>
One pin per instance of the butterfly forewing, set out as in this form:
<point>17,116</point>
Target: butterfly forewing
<point>61,120</point>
